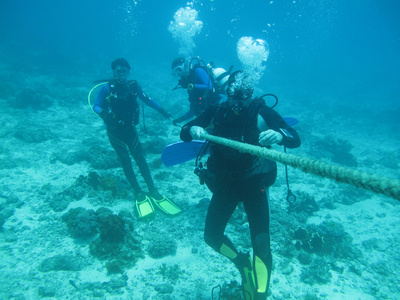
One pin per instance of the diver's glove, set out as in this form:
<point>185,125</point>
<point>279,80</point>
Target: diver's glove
<point>165,114</point>
<point>196,131</point>
<point>269,137</point>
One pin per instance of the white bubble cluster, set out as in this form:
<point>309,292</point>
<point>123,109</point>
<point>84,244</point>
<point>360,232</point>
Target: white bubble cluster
<point>184,28</point>
<point>253,54</point>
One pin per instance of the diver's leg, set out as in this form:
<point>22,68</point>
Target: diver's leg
<point>122,151</point>
<point>219,211</point>
<point>137,153</point>
<point>257,209</point>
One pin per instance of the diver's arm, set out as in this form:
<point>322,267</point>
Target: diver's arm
<point>185,117</point>
<point>201,121</point>
<point>150,102</point>
<point>100,103</point>
<point>101,107</point>
<point>274,127</point>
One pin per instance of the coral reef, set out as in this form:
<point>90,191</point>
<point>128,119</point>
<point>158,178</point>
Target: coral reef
<point>338,150</point>
<point>105,183</point>
<point>161,247</point>
<point>101,190</point>
<point>327,238</point>
<point>101,157</point>
<point>115,267</point>
<point>100,289</point>
<point>304,207</point>
<point>317,273</point>
<point>81,223</point>
<point>61,263</point>
<point>231,290</point>
<point>112,227</point>
<point>164,288</point>
<point>115,244</point>
<point>58,202</point>
<point>170,273</point>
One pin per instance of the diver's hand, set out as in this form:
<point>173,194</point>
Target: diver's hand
<point>269,137</point>
<point>196,131</point>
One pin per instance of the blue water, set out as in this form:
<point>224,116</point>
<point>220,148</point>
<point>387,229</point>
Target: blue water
<point>337,47</point>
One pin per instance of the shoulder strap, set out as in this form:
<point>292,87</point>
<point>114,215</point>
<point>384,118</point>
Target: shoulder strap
<point>252,115</point>
<point>255,106</point>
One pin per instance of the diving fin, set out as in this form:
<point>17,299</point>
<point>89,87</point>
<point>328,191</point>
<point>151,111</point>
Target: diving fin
<point>143,206</point>
<point>244,263</point>
<point>181,152</point>
<point>166,205</point>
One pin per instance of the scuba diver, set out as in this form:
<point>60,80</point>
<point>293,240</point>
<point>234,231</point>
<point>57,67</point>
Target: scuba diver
<point>235,177</point>
<point>117,105</point>
<point>205,84</point>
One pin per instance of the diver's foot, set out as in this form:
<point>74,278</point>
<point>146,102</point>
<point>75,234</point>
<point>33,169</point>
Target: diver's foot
<point>140,196</point>
<point>244,263</point>
<point>156,195</point>
<point>164,204</point>
<point>143,205</point>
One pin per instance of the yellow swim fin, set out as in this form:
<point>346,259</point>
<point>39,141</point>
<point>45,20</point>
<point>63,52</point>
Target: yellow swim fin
<point>143,206</point>
<point>166,205</point>
<point>244,263</point>
<point>248,283</point>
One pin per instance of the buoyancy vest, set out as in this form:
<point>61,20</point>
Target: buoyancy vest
<point>238,122</point>
<point>123,102</point>
<point>199,99</point>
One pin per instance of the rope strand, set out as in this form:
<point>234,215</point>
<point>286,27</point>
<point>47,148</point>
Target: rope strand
<point>376,184</point>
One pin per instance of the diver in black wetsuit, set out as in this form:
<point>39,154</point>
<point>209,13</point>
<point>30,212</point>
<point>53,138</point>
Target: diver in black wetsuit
<point>239,177</point>
<point>117,105</point>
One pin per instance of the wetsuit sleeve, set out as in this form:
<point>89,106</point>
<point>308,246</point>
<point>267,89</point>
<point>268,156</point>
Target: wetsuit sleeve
<point>276,122</point>
<point>100,104</point>
<point>203,121</point>
<point>146,99</point>
<point>202,81</point>
<point>150,102</point>
<point>185,117</point>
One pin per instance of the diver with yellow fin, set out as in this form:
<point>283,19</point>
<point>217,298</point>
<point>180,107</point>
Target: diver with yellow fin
<point>117,105</point>
<point>235,177</point>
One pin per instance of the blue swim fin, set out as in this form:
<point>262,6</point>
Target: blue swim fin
<point>181,152</point>
<point>291,121</point>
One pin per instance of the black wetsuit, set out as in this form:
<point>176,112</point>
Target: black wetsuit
<point>240,177</point>
<point>117,105</point>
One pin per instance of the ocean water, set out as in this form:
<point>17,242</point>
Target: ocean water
<point>334,65</point>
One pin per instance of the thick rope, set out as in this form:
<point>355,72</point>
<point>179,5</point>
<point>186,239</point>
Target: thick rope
<point>376,184</point>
